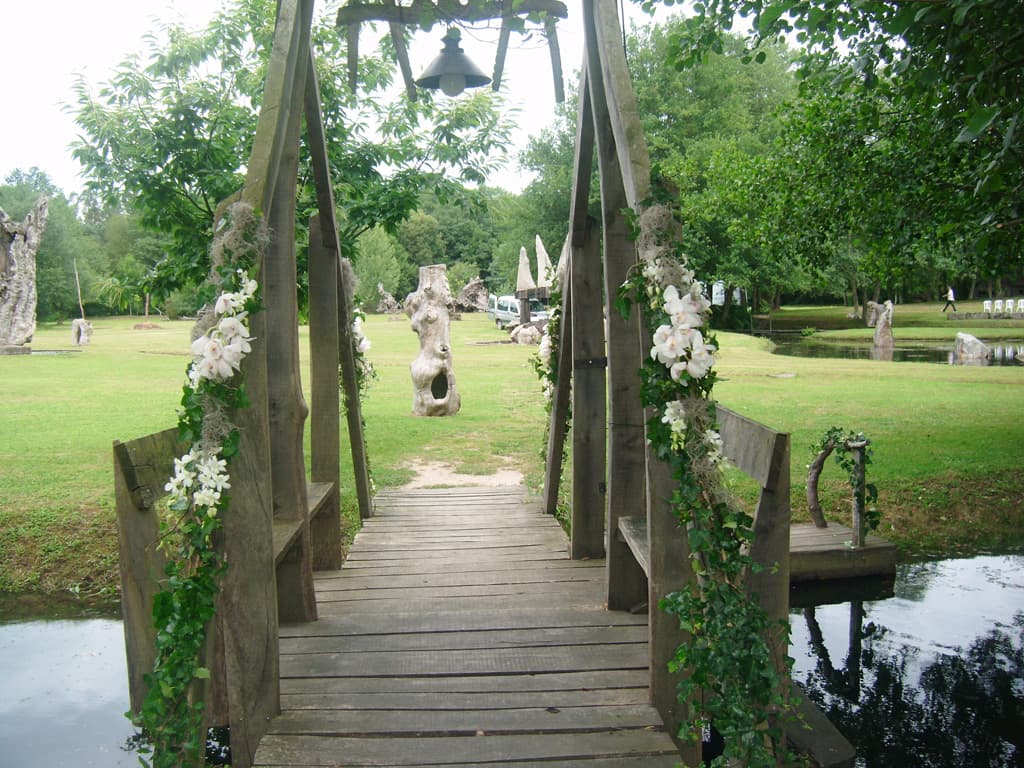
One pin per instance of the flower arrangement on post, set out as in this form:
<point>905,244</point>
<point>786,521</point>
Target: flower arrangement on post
<point>365,372</point>
<point>732,682</point>
<point>171,715</point>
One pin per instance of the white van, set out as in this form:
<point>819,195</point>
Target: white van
<point>504,310</point>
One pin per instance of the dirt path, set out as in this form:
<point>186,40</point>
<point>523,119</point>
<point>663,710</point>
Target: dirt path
<point>436,473</point>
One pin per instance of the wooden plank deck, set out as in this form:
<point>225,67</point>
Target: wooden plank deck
<point>459,633</point>
<point>819,554</point>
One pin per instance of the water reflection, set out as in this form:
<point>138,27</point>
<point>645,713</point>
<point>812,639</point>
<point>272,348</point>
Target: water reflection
<point>65,694</point>
<point>931,677</point>
<point>1003,353</point>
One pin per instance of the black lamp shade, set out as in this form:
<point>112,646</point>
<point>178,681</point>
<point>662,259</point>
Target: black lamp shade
<point>452,71</point>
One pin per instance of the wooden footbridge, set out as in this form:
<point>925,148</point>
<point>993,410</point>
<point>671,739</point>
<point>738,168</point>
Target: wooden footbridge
<point>459,632</point>
<point>464,627</point>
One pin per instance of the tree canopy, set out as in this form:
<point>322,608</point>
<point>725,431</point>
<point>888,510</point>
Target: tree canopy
<point>170,133</point>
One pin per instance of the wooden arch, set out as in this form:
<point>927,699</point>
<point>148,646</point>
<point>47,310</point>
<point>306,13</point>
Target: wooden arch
<point>279,528</point>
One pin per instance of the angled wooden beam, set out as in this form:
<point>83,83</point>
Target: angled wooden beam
<point>634,160</point>
<point>271,127</point>
<point>583,165</point>
<point>426,13</point>
<point>556,58</point>
<point>499,58</point>
<point>352,54</point>
<point>328,225</point>
<point>402,54</point>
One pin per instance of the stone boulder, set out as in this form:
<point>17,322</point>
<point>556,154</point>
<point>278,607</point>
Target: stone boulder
<point>530,333</point>
<point>472,297</point>
<point>970,349</point>
<point>387,305</point>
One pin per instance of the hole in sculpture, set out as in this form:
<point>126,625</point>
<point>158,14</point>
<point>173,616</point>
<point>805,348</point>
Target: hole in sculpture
<point>439,386</point>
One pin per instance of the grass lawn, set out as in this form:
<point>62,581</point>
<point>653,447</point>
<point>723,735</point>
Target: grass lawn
<point>949,441</point>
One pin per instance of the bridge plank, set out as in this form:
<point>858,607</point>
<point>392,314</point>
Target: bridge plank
<point>476,644</point>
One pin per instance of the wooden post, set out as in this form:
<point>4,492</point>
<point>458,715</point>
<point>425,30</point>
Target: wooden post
<point>325,425</point>
<point>589,408</point>
<point>588,354</point>
<point>859,490</point>
<point>317,142</point>
<point>627,586</point>
<point>287,407</point>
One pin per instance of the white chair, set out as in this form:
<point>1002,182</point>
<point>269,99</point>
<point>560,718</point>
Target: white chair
<point>986,305</point>
<point>1020,305</point>
<point>997,306</point>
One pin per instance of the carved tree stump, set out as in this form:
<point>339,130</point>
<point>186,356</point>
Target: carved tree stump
<point>18,246</point>
<point>433,381</point>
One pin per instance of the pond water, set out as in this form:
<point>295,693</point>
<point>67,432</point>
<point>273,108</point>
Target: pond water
<point>65,694</point>
<point>1004,352</point>
<point>933,676</point>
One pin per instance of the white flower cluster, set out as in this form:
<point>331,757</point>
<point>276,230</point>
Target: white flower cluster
<point>544,359</point>
<point>199,478</point>
<point>679,345</point>
<point>218,353</point>
<point>675,417</point>
<point>362,343</point>
<point>362,346</point>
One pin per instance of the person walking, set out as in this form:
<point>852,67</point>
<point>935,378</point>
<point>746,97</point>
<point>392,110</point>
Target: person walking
<point>950,298</point>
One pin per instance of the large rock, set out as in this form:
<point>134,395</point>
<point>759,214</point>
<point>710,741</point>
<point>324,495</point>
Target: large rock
<point>433,380</point>
<point>881,319</point>
<point>387,305</point>
<point>530,333</point>
<point>970,349</point>
<point>472,297</point>
<point>18,246</point>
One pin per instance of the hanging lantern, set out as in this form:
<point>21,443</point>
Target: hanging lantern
<point>452,71</point>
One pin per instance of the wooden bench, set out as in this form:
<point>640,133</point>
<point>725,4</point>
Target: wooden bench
<point>141,469</point>
<point>763,454</point>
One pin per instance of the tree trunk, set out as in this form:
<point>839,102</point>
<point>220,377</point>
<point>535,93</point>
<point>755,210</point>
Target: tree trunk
<point>433,379</point>
<point>854,295</point>
<point>18,246</point>
<point>78,289</point>
<point>813,472</point>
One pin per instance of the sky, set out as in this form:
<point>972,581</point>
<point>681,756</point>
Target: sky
<point>45,46</point>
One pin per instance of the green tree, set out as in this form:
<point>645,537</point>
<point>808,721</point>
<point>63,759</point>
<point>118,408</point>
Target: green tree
<point>953,69</point>
<point>420,236</point>
<point>170,133</point>
<point>380,260</point>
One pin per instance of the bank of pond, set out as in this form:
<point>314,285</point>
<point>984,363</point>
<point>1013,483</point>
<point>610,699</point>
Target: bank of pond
<point>932,676</point>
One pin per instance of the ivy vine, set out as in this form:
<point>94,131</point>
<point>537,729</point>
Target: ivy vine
<point>732,681</point>
<point>172,712</point>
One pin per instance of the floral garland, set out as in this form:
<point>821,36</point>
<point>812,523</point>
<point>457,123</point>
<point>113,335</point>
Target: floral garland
<point>732,680</point>
<point>365,372</point>
<point>171,718</point>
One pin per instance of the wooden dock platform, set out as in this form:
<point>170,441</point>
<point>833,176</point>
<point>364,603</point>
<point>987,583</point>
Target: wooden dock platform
<point>823,554</point>
<point>459,633</point>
